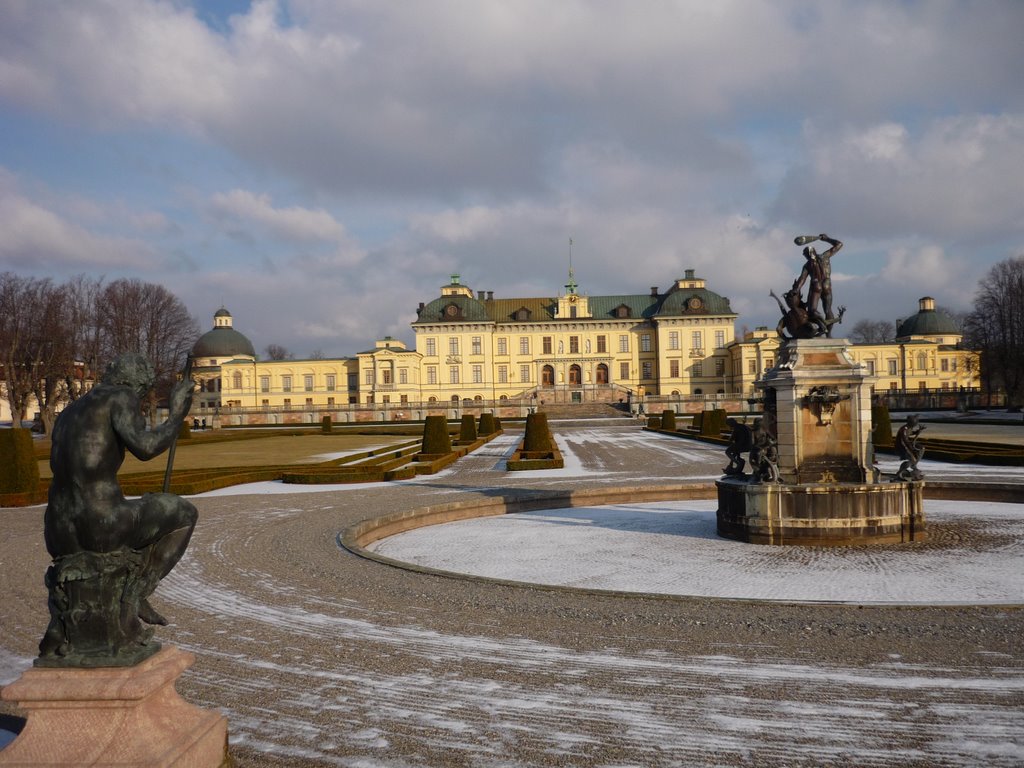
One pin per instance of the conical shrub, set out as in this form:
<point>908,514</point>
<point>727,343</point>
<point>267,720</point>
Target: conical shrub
<point>668,420</point>
<point>19,470</point>
<point>436,439</point>
<point>467,430</point>
<point>486,425</point>
<point>326,426</point>
<point>881,426</point>
<point>538,435</point>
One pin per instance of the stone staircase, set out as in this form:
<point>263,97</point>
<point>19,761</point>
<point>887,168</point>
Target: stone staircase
<point>584,411</point>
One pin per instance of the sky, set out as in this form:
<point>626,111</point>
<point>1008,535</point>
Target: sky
<point>320,167</point>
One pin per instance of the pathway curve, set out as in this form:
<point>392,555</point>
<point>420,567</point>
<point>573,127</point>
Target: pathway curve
<point>319,657</point>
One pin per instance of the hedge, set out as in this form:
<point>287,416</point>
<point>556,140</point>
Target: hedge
<point>19,468</point>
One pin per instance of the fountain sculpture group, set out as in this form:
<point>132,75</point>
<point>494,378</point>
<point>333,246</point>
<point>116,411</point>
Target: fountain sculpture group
<point>813,479</point>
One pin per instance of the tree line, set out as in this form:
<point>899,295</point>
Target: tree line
<point>57,338</point>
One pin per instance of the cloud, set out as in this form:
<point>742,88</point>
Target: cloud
<point>293,223</point>
<point>35,236</point>
<point>958,178</point>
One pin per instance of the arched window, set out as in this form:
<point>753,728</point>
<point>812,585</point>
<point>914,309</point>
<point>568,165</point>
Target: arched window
<point>547,376</point>
<point>478,398</point>
<point>503,397</point>
<point>431,399</point>
<point>455,398</point>
<point>575,376</point>
<point>236,379</point>
<point>602,373</point>
<point>698,391</point>
<point>922,361</point>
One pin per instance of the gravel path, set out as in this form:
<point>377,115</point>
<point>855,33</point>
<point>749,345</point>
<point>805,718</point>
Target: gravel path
<point>319,657</point>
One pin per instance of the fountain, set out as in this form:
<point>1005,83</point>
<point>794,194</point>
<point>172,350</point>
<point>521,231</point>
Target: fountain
<point>813,480</point>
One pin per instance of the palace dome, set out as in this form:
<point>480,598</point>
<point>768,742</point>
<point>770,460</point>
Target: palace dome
<point>928,321</point>
<point>223,341</point>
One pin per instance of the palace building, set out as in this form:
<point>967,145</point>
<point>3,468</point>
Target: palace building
<point>472,347</point>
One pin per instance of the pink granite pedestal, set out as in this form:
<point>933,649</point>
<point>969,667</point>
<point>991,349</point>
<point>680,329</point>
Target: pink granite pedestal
<point>125,716</point>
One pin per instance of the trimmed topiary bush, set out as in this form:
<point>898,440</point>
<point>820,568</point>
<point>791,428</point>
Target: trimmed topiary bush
<point>654,422</point>
<point>881,426</point>
<point>486,425</point>
<point>538,435</point>
<point>668,420</point>
<point>436,439</point>
<point>698,421</point>
<point>713,423</point>
<point>185,431</point>
<point>326,426</point>
<point>497,424</point>
<point>19,470</point>
<point>467,430</point>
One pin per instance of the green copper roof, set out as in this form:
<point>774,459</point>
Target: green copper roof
<point>223,342</point>
<point>928,322</point>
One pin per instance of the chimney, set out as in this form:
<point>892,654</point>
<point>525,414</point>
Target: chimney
<point>419,309</point>
<point>690,274</point>
<point>479,295</point>
<point>490,295</point>
<point>926,304</point>
<point>654,290</point>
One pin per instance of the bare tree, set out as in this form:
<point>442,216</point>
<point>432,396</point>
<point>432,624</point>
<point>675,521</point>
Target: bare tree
<point>16,297</point>
<point>317,354</point>
<point>147,318</point>
<point>996,329</point>
<point>872,332</point>
<point>277,352</point>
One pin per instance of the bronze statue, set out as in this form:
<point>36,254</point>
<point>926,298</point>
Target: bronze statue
<point>109,553</point>
<point>909,449</point>
<point>764,454</point>
<point>818,269</point>
<point>796,321</point>
<point>740,442</point>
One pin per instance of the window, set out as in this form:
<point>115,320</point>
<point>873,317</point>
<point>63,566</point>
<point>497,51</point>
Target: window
<point>698,369</point>
<point>602,344</point>
<point>309,403</point>
<point>385,376</point>
<point>769,363</point>
<point>696,340</point>
<point>353,381</point>
<point>264,383</point>
<point>236,379</point>
<point>893,386</point>
<point>431,374</point>
<point>647,370</point>
<point>453,374</point>
<point>478,374</point>
<point>330,401</point>
<point>870,366</point>
<point>623,342</point>
<point>673,339</point>
<point>719,366</point>
<point>645,342</point>
<point>922,385</point>
<point>524,373</point>
<point>477,346</point>
<point>431,347</point>
<point>574,345</point>
<point>945,385</point>
<point>524,345</point>
<point>386,399</point>
<point>751,366</point>
<point>404,399</point>
<point>287,403</point>
<point>602,373</point>
<point>403,375</point>
<point>945,365</point>
<point>286,383</point>
<point>922,361</point>
<point>719,339</point>
<point>502,345</point>
<point>673,369</point>
<point>623,371</point>
<point>453,345</point>
<point>546,345</point>
<point>368,377</point>
<point>265,403</point>
<point>332,382</point>
<point>892,367</point>
<point>502,374</point>
<point>307,382</point>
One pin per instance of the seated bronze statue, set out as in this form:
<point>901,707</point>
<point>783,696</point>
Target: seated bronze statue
<point>109,553</point>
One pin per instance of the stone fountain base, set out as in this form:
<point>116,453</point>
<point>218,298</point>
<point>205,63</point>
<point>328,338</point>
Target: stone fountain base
<point>838,514</point>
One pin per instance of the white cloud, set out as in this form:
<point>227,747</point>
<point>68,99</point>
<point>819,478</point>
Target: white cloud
<point>958,178</point>
<point>35,236</point>
<point>292,223</point>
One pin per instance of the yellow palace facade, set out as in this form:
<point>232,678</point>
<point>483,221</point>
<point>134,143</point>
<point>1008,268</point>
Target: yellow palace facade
<point>472,348</point>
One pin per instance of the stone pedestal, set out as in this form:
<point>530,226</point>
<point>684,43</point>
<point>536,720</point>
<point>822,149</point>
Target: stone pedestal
<point>818,405</point>
<point>125,716</point>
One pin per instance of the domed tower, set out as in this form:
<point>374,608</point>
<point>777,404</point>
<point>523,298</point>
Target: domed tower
<point>929,324</point>
<point>218,345</point>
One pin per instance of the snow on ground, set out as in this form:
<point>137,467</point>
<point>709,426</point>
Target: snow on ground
<point>672,548</point>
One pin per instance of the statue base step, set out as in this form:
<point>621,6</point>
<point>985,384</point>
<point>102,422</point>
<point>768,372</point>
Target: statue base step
<point>838,514</point>
<point>126,716</point>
